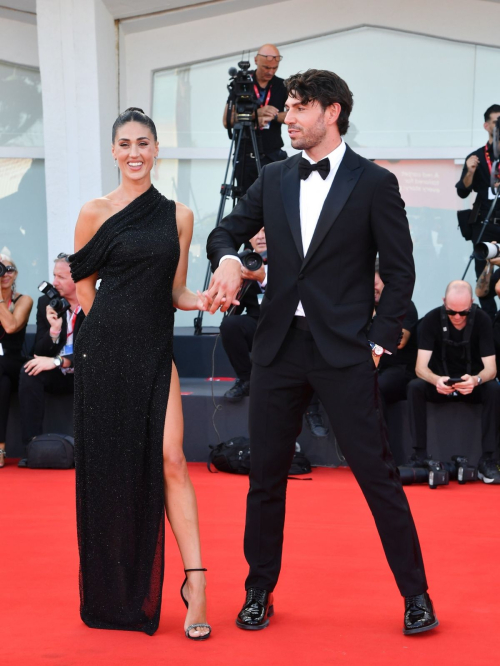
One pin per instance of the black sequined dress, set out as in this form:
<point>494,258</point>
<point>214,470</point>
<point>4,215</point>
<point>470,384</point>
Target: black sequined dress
<point>123,363</point>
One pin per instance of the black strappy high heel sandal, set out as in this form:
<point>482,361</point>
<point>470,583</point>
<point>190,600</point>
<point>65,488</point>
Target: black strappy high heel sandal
<point>203,637</point>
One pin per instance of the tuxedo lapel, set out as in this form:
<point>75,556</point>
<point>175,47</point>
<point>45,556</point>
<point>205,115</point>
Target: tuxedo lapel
<point>343,184</point>
<point>290,192</point>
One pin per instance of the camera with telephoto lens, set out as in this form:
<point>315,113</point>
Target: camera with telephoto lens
<point>242,92</point>
<point>6,269</point>
<point>428,471</point>
<point>485,251</point>
<point>56,302</point>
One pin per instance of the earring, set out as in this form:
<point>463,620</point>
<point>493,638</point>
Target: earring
<point>116,163</point>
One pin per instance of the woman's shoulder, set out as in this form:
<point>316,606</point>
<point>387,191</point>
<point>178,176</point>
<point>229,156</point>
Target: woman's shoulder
<point>96,211</point>
<point>184,216</point>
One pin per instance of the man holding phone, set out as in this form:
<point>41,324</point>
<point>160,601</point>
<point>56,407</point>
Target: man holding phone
<point>456,361</point>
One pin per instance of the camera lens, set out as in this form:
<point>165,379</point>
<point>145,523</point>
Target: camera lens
<point>486,251</point>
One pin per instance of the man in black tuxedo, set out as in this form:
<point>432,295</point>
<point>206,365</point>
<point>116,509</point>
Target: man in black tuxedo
<point>51,368</point>
<point>326,212</point>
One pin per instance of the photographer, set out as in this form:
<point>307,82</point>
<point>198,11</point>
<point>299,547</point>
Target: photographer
<point>15,310</point>
<point>271,94</point>
<point>396,370</point>
<point>476,176</point>
<point>51,369</point>
<point>456,362</point>
<point>237,332</point>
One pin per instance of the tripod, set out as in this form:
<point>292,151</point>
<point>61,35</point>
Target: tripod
<point>243,130</point>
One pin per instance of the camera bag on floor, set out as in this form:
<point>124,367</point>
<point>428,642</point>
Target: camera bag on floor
<point>51,451</point>
<point>233,456</point>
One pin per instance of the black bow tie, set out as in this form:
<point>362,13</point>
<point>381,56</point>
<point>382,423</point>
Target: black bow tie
<point>306,168</point>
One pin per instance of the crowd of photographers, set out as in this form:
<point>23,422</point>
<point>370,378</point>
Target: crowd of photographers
<point>451,355</point>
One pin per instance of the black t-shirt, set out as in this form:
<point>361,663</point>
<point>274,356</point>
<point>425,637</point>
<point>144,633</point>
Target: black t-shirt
<point>480,184</point>
<point>481,342</point>
<point>408,355</point>
<point>270,141</point>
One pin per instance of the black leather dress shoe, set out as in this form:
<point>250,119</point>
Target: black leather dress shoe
<point>419,614</point>
<point>240,390</point>
<point>256,611</point>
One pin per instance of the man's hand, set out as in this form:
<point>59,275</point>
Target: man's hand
<point>54,321</point>
<point>266,114</point>
<point>442,388</point>
<point>376,359</point>
<point>39,364</point>
<point>467,386</point>
<point>472,163</point>
<point>259,275</point>
<point>224,285</point>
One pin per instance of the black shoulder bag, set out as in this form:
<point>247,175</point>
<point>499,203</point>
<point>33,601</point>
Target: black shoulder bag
<point>466,218</point>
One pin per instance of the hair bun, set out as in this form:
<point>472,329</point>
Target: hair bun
<point>134,108</point>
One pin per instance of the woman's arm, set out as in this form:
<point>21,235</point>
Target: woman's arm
<point>182,297</point>
<point>86,226</point>
<point>13,322</point>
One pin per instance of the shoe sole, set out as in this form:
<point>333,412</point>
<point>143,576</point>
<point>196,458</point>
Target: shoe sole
<point>486,479</point>
<point>409,632</point>
<point>256,627</point>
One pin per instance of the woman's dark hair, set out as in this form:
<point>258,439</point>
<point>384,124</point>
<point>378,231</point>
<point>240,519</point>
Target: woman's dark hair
<point>324,87</point>
<point>133,114</point>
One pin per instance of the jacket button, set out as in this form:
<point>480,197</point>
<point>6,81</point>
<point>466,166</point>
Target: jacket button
<point>301,276</point>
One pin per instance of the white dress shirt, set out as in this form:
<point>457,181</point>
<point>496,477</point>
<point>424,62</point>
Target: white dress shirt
<point>313,192</point>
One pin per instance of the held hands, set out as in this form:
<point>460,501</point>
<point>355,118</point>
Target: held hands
<point>224,286</point>
<point>39,364</point>
<point>472,163</point>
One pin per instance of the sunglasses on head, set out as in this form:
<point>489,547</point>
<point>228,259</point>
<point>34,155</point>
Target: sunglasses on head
<point>462,313</point>
<point>62,256</point>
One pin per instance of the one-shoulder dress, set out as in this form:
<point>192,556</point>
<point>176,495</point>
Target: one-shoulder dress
<point>123,363</point>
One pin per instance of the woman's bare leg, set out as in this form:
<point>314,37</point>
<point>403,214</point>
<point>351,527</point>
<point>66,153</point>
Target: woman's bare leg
<point>180,503</point>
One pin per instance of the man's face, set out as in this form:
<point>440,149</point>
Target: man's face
<point>379,287</point>
<point>258,242</point>
<point>458,302</point>
<point>267,66</point>
<point>489,125</point>
<point>306,123</point>
<point>63,281</point>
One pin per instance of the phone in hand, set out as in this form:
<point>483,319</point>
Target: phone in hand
<point>454,380</point>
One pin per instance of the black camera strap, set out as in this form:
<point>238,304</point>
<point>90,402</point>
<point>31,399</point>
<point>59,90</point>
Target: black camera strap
<point>465,342</point>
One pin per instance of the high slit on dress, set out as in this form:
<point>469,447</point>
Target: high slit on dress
<point>123,365</point>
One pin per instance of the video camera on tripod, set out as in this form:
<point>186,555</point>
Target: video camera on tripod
<point>242,97</point>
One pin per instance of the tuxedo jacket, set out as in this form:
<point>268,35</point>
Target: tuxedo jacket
<point>363,214</point>
<point>43,342</point>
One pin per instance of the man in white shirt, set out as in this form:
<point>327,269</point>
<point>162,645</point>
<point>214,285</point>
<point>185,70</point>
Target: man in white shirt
<point>51,368</point>
<point>327,213</point>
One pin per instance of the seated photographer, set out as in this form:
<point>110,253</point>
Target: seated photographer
<point>271,95</point>
<point>15,310</point>
<point>456,362</point>
<point>395,371</point>
<point>51,369</point>
<point>237,331</point>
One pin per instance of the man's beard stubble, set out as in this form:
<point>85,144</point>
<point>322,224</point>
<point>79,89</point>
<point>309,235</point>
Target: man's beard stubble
<point>314,136</point>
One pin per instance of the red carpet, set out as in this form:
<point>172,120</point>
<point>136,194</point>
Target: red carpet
<point>336,602</point>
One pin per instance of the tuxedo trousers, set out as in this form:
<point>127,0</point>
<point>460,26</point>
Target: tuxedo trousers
<point>279,395</point>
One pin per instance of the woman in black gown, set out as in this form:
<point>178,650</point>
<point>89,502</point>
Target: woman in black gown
<point>128,415</point>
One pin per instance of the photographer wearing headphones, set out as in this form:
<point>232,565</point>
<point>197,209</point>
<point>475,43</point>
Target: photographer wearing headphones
<point>456,362</point>
<point>271,94</point>
<point>476,176</point>
<point>51,369</point>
